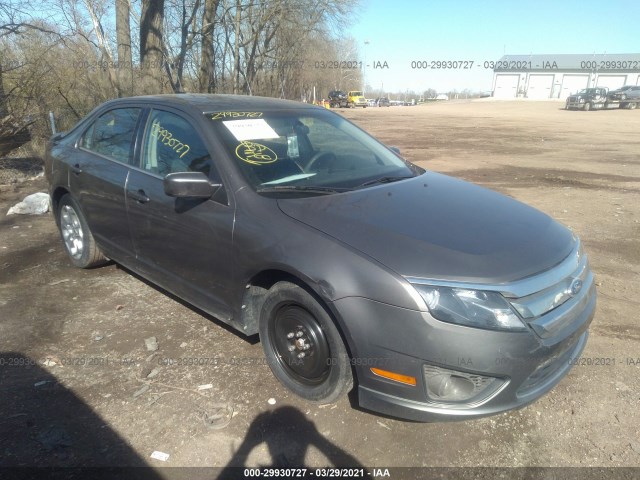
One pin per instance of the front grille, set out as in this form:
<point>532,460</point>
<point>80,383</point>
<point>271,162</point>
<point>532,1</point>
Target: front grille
<point>549,310</point>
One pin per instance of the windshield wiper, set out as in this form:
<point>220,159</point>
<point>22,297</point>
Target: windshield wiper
<point>301,188</point>
<point>383,180</point>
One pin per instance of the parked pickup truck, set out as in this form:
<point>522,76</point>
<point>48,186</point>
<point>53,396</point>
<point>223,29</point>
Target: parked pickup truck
<point>588,99</point>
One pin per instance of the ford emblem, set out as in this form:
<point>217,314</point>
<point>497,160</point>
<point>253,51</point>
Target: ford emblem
<point>576,286</point>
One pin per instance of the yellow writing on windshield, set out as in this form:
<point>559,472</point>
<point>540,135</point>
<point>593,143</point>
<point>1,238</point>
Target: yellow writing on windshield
<point>255,153</point>
<point>222,115</point>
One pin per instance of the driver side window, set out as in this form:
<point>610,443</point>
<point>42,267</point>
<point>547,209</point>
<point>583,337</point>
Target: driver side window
<point>172,145</point>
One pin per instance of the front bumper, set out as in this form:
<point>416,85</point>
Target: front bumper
<point>575,104</point>
<point>524,364</point>
<point>388,404</point>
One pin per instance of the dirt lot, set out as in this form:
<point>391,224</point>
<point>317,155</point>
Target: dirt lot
<point>83,332</point>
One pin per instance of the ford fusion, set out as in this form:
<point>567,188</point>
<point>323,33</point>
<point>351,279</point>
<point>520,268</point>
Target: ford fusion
<point>436,298</point>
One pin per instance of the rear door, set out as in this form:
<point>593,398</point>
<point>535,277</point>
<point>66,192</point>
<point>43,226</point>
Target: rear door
<point>99,168</point>
<point>183,244</point>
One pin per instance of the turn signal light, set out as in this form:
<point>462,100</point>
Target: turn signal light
<point>396,377</point>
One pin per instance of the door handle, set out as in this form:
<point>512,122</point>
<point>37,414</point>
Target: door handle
<point>76,169</point>
<point>139,196</point>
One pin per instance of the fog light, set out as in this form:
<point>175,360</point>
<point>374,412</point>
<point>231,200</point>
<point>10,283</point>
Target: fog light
<point>444,385</point>
<point>453,387</point>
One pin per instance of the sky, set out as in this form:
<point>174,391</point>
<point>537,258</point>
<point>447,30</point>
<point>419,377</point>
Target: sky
<point>400,32</point>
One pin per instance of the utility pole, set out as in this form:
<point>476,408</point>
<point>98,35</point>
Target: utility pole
<point>364,69</point>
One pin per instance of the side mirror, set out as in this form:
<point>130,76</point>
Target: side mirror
<point>189,184</point>
<point>396,150</point>
<point>56,137</point>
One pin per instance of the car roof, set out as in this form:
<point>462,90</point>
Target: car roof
<point>202,102</point>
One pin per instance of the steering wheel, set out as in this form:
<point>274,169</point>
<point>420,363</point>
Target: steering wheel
<point>328,156</point>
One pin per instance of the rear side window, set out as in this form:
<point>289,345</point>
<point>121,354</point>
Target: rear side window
<point>112,134</point>
<point>172,145</point>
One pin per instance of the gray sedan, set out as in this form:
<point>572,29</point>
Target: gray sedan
<point>436,298</point>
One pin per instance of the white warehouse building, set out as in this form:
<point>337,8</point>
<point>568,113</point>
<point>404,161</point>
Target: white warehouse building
<point>558,76</point>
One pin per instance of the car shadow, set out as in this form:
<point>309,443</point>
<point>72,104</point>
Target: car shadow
<point>287,434</point>
<point>44,425</point>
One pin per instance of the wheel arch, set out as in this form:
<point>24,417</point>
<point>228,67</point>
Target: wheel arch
<point>56,196</point>
<point>260,283</point>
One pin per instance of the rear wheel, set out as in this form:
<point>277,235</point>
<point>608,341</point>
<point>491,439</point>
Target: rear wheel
<point>303,346</point>
<point>78,240</point>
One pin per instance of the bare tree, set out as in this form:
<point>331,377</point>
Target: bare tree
<point>123,39</point>
<point>103,43</point>
<point>151,46</point>
<point>4,111</point>
<point>207,62</point>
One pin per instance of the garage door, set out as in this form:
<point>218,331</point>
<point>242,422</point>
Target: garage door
<point>506,86</point>
<point>572,84</point>
<point>611,81</point>
<point>540,86</point>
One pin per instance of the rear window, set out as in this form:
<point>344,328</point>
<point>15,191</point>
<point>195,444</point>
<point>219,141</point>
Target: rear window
<point>112,134</point>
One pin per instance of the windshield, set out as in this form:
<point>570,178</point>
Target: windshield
<point>311,151</point>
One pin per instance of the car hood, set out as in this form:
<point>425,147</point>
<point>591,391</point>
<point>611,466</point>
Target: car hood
<point>437,227</point>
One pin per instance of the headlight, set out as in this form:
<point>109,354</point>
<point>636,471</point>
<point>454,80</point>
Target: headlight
<point>473,308</point>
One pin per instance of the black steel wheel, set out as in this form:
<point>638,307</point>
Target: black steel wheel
<point>303,346</point>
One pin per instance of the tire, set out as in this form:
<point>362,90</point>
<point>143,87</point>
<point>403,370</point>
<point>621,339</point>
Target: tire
<point>303,346</point>
<point>76,235</point>
<point>587,106</point>
<point>632,106</point>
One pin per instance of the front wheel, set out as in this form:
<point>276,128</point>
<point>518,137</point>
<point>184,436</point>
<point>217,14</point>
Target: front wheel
<point>303,346</point>
<point>78,240</point>
<point>587,106</point>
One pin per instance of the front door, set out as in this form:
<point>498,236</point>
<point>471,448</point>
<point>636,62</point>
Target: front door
<point>183,244</point>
